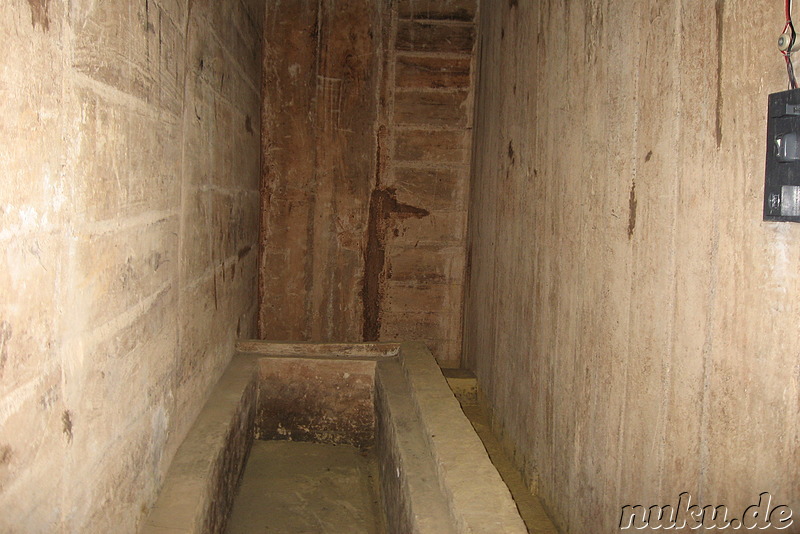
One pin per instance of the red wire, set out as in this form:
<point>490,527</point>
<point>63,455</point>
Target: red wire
<point>788,10</point>
<point>787,53</point>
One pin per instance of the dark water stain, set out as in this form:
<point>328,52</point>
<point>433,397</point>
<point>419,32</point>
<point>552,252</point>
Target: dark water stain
<point>720,13</point>
<point>248,125</point>
<point>39,16</point>
<point>381,165</point>
<point>383,205</point>
<point>5,335</point>
<point>5,455</point>
<point>66,420</point>
<point>155,260</point>
<point>468,268</point>
<point>244,251</point>
<point>216,297</point>
<point>632,211</point>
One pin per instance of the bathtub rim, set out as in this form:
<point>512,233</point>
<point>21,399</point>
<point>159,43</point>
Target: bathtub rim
<point>369,351</point>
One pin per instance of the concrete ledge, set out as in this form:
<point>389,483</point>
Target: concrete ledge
<point>309,349</point>
<point>410,495</point>
<point>198,491</point>
<point>478,499</point>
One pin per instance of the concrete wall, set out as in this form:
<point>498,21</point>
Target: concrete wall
<point>630,318</point>
<point>128,230</point>
<point>367,111</point>
<point>416,243</point>
<point>321,74</point>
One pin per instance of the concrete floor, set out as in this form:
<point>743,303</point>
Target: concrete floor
<point>303,488</point>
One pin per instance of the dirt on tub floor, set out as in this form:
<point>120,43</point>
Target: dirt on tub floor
<point>292,488</point>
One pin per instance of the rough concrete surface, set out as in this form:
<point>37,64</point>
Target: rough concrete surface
<point>320,104</point>
<point>629,317</point>
<point>367,111</point>
<point>298,488</point>
<point>424,162</point>
<point>309,399</point>
<point>128,235</point>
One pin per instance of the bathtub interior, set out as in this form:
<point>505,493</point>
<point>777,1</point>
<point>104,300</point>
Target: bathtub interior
<point>435,475</point>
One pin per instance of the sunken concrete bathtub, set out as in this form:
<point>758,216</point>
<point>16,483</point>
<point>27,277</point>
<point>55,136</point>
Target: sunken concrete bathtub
<point>435,475</point>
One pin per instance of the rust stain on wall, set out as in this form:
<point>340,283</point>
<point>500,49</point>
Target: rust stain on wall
<point>632,211</point>
<point>383,206</point>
